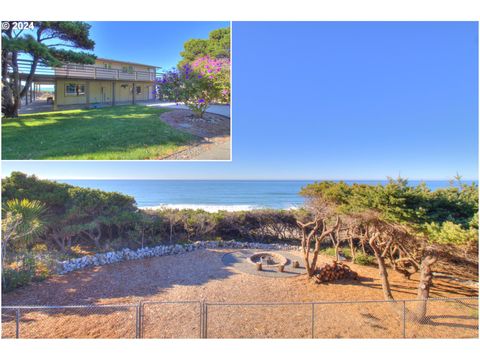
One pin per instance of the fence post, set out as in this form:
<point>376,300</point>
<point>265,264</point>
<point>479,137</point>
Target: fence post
<point>138,321</point>
<point>404,319</point>
<point>200,303</point>
<point>205,326</point>
<point>313,320</point>
<point>17,324</point>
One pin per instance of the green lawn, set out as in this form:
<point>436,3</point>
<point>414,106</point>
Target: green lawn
<point>130,132</point>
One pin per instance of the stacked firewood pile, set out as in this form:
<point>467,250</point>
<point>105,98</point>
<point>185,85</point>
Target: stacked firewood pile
<point>332,272</point>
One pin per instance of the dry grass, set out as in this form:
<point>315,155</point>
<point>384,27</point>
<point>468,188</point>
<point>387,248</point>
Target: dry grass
<point>201,275</point>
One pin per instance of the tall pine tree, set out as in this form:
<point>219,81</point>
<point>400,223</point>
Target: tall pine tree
<point>47,44</point>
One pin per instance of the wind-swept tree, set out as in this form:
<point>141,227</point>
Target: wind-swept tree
<point>47,44</point>
<point>390,220</point>
<point>318,224</point>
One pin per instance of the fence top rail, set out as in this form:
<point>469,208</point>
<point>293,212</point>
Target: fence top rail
<point>172,302</point>
<point>13,307</point>
<point>44,307</point>
<point>337,302</point>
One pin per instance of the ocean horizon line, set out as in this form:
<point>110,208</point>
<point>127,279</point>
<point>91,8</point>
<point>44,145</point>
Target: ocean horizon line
<point>349,180</point>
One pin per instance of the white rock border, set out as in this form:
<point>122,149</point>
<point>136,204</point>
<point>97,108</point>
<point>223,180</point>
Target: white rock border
<point>67,266</point>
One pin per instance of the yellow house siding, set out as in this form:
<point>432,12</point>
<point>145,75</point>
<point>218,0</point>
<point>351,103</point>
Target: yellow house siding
<point>63,98</point>
<point>119,65</point>
<point>101,92</point>
<point>123,91</point>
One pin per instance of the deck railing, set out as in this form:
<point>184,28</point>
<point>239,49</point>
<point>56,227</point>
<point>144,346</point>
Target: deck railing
<point>81,71</point>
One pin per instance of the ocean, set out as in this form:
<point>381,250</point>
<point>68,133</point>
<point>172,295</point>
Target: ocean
<point>214,195</point>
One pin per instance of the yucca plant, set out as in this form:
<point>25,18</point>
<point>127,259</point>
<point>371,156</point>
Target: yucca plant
<point>23,220</point>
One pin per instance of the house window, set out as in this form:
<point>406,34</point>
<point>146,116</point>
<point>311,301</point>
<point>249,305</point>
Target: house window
<point>127,69</point>
<point>138,90</point>
<point>107,66</point>
<point>73,89</point>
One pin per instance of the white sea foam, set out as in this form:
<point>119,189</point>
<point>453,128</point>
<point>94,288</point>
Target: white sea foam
<point>212,208</point>
<point>207,207</point>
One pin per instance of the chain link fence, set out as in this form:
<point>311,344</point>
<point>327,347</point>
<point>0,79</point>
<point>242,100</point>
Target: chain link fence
<point>435,318</point>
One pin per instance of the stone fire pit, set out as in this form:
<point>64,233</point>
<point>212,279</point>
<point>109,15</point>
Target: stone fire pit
<point>268,259</point>
<point>248,261</point>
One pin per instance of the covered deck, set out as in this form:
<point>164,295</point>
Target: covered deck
<point>89,74</point>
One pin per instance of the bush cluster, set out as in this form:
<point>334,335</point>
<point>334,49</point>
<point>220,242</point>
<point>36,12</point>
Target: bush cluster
<point>25,269</point>
<point>446,215</point>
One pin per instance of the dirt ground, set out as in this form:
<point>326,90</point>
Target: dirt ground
<point>202,276</point>
<point>210,131</point>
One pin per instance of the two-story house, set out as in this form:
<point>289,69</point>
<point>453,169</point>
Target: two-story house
<point>107,81</point>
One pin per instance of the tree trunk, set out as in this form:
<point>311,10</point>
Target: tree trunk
<point>7,91</point>
<point>337,255</point>
<point>94,237</point>
<point>315,255</point>
<point>29,79</point>
<point>425,285</point>
<point>60,241</point>
<point>352,249</point>
<point>387,292</point>
<point>306,255</point>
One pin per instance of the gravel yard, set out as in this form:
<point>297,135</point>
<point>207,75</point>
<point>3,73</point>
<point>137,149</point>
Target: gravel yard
<point>203,276</point>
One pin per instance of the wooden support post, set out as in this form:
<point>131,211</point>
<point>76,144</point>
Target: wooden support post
<point>113,93</point>
<point>133,93</point>
<point>55,96</point>
<point>87,93</point>
<point>31,93</point>
<point>19,89</point>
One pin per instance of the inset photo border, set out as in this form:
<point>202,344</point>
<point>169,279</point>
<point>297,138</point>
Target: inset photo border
<point>116,90</point>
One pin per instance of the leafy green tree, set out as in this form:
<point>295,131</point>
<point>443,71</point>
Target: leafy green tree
<point>216,46</point>
<point>46,44</point>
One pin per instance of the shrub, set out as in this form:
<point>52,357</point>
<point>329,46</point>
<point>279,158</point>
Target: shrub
<point>42,271</point>
<point>197,84</point>
<point>39,248</point>
<point>14,278</point>
<point>362,259</point>
<point>330,251</point>
<point>29,268</point>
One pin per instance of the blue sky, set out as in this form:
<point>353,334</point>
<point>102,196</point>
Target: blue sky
<point>145,42</point>
<point>331,100</point>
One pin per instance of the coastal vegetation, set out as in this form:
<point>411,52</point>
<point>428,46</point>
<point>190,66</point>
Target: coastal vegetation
<point>395,225</point>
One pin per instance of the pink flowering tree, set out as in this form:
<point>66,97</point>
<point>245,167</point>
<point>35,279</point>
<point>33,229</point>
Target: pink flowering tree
<point>197,84</point>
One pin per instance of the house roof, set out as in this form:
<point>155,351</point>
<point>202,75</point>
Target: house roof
<point>127,62</point>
